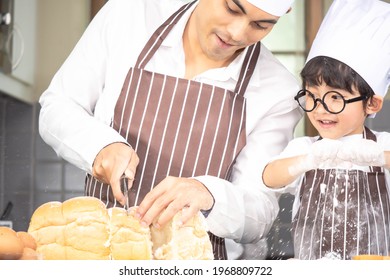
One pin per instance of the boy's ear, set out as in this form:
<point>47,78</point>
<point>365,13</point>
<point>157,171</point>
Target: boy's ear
<point>374,104</point>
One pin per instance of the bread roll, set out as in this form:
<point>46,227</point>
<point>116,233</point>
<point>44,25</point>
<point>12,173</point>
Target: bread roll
<point>11,247</point>
<point>129,240</point>
<point>182,242</point>
<point>27,239</point>
<point>17,245</point>
<point>75,229</point>
<point>29,254</point>
<point>369,257</point>
<point>47,227</point>
<point>82,228</point>
<point>86,231</point>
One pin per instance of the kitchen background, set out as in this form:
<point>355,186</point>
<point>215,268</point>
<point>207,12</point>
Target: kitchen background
<point>33,44</point>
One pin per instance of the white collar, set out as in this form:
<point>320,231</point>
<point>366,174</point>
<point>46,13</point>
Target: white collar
<point>174,39</point>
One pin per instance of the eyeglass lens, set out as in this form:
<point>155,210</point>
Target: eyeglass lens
<point>332,101</point>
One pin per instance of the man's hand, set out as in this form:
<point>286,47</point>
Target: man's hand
<point>111,163</point>
<point>170,196</point>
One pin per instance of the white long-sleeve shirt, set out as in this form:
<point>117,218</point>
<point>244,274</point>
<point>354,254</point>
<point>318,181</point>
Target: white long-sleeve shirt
<point>78,106</point>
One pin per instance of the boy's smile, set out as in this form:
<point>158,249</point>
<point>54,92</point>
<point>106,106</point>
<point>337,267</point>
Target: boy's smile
<point>349,121</point>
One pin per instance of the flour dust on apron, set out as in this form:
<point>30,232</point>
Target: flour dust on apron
<point>342,213</point>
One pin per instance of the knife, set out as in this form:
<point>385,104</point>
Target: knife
<point>124,178</point>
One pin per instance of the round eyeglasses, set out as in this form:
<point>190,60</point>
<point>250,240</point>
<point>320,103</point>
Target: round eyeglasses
<point>332,101</point>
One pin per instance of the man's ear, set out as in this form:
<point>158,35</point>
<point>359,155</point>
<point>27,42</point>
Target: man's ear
<point>374,104</point>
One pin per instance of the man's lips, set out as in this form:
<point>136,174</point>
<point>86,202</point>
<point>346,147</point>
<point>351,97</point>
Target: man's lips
<point>223,43</point>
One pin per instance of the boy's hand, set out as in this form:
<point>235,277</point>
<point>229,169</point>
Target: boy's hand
<point>323,153</point>
<point>362,152</point>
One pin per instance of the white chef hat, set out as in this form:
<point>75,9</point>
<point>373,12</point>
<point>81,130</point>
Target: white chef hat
<point>273,7</point>
<point>357,33</point>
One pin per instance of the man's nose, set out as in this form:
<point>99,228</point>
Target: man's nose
<point>238,29</point>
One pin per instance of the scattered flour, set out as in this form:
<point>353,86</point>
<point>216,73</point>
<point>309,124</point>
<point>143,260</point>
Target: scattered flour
<point>323,188</point>
<point>331,256</point>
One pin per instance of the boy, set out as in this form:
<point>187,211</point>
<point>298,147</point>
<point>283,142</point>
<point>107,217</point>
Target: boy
<point>341,178</point>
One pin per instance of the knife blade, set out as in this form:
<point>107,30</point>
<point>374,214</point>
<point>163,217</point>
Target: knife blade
<point>125,187</point>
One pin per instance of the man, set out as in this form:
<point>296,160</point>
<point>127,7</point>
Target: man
<point>185,103</point>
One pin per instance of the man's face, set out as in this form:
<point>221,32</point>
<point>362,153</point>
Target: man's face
<point>224,26</point>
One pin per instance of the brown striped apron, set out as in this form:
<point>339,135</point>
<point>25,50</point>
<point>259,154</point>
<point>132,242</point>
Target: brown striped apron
<point>342,213</point>
<point>178,127</point>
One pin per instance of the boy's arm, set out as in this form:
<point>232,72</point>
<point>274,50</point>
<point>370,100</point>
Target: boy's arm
<point>365,152</point>
<point>281,172</point>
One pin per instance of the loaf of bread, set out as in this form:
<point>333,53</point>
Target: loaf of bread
<point>182,242</point>
<point>83,228</point>
<point>128,239</point>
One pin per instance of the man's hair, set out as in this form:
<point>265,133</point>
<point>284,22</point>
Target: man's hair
<point>336,74</point>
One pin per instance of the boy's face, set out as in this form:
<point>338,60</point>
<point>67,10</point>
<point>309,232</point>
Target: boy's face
<point>348,122</point>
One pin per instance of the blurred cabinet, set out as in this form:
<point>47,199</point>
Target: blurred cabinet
<point>18,46</point>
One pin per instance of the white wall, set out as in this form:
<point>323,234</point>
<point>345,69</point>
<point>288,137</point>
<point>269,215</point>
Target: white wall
<point>59,26</point>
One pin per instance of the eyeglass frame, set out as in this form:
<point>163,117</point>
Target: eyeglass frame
<point>321,100</point>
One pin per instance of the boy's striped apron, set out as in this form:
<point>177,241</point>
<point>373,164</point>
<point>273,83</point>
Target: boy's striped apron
<point>342,213</point>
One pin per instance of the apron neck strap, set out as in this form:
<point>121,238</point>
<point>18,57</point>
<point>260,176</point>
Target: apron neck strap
<point>159,35</point>
<point>247,68</point>
<point>368,134</point>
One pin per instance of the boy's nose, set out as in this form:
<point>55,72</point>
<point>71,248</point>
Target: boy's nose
<point>320,107</point>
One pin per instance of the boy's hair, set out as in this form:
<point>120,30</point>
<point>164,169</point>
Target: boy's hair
<point>335,74</point>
